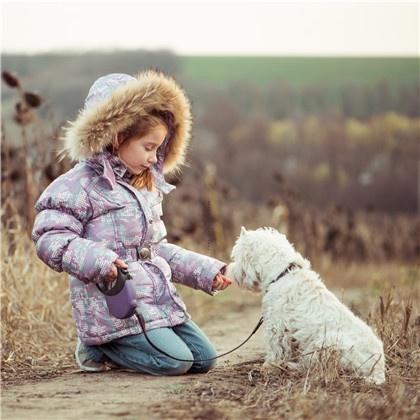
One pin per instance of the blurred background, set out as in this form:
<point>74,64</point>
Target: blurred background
<point>306,115</point>
<point>306,118</point>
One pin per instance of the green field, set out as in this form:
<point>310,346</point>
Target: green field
<point>301,71</point>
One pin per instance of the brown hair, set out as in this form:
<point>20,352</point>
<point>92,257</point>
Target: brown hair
<point>139,129</point>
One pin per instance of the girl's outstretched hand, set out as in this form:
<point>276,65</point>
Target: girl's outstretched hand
<point>220,282</point>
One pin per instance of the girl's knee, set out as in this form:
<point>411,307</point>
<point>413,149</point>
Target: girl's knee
<point>203,367</point>
<point>175,367</point>
<point>178,368</point>
<point>210,365</point>
<point>168,366</point>
<point>171,367</point>
<point>161,366</point>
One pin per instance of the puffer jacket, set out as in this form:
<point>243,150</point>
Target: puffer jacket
<point>91,215</point>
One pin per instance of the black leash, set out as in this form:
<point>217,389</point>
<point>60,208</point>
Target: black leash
<point>142,323</point>
<point>121,301</point>
<point>143,327</point>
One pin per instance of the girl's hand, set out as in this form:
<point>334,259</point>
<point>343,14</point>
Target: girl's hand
<point>113,273</point>
<point>220,282</point>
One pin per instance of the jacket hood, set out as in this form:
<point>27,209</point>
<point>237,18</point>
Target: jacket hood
<point>116,101</point>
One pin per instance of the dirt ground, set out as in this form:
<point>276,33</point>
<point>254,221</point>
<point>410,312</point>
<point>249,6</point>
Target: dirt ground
<point>237,389</point>
<point>128,395</point>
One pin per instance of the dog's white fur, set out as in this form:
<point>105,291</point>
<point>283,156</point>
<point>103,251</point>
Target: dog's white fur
<point>299,311</point>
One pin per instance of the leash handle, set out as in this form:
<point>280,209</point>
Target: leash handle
<point>143,327</point>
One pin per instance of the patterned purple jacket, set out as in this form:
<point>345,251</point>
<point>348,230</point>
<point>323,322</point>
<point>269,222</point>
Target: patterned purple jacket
<point>90,216</point>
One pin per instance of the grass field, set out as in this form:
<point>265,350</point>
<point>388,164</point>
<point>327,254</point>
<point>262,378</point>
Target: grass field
<point>301,71</point>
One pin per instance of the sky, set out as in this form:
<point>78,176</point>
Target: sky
<point>214,28</point>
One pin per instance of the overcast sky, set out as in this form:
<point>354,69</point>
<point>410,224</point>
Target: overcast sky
<point>217,27</point>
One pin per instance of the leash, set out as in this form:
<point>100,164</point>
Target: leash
<point>143,327</point>
<point>122,303</point>
<point>142,323</point>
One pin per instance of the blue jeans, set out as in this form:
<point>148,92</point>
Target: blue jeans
<point>185,341</point>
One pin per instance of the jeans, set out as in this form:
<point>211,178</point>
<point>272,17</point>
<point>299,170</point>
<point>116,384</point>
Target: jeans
<point>185,341</point>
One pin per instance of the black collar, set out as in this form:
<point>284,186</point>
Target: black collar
<point>289,268</point>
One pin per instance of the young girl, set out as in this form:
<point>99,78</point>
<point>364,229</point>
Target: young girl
<point>106,213</point>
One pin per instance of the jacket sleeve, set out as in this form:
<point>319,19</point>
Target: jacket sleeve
<point>190,268</point>
<point>63,210</point>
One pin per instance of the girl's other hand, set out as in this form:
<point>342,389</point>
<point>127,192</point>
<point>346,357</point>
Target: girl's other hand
<point>113,273</point>
<point>220,282</point>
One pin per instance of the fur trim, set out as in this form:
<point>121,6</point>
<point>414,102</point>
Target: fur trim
<point>95,127</point>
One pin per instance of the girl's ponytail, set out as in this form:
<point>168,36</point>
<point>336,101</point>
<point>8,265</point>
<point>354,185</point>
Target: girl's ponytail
<point>145,179</point>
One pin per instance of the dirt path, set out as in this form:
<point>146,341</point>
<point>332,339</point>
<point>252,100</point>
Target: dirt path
<point>79,395</point>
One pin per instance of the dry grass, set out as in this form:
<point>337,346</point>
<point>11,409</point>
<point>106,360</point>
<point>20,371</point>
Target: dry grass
<point>36,325</point>
<point>38,335</point>
<point>245,390</point>
<point>38,338</point>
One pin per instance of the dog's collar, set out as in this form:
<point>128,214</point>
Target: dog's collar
<point>289,268</point>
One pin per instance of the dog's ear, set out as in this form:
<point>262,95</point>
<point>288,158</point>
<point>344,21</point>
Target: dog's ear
<point>243,230</point>
<point>303,261</point>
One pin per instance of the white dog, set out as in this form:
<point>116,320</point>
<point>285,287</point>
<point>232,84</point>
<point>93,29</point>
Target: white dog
<point>301,316</point>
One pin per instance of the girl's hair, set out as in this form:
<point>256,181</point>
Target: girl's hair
<point>139,129</point>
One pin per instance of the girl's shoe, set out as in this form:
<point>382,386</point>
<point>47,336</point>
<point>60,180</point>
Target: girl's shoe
<point>83,361</point>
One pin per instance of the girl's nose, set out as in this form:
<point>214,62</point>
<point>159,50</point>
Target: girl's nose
<point>153,159</point>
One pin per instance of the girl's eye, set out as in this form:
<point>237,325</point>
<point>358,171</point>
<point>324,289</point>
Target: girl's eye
<point>149,149</point>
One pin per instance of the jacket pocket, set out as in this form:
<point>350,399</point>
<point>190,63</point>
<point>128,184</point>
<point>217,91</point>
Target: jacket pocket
<point>143,282</point>
<point>157,209</point>
<point>106,201</point>
<point>168,291</point>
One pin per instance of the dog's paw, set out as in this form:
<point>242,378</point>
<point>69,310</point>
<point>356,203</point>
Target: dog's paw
<point>375,380</point>
<point>270,368</point>
<point>267,368</point>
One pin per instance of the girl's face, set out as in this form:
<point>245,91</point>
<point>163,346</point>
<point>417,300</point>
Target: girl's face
<point>139,153</point>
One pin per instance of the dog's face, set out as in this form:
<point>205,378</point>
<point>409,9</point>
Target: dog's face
<point>258,254</point>
<point>241,269</point>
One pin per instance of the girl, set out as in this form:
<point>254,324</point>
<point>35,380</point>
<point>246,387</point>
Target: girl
<point>106,213</point>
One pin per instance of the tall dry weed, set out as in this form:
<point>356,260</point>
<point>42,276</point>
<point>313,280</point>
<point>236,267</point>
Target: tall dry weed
<point>323,391</point>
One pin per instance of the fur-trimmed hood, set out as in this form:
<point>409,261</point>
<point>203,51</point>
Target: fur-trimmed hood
<point>116,101</point>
